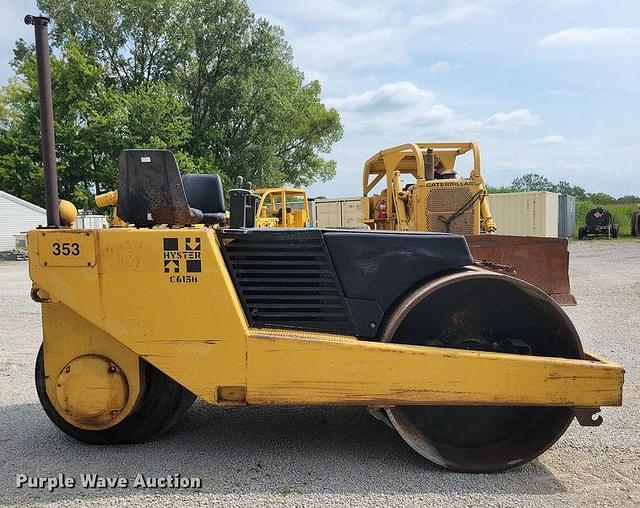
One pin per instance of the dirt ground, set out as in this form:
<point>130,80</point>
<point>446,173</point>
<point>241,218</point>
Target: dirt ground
<point>331,456</point>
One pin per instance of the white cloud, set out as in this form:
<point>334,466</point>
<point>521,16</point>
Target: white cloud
<point>357,34</point>
<point>368,12</point>
<point>327,11</point>
<point>333,49</point>
<point>549,140</point>
<point>391,95</point>
<point>512,119</point>
<point>443,67</point>
<point>451,14</point>
<point>591,38</point>
<point>404,109</point>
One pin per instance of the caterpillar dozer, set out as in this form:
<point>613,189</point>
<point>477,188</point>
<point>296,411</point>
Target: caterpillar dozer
<point>436,199</point>
<point>476,370</point>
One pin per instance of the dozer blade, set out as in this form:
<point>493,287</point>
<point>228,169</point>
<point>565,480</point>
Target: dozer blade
<point>543,262</point>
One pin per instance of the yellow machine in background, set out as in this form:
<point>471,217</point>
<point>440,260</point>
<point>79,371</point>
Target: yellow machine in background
<point>437,201</point>
<point>282,207</point>
<point>423,193</point>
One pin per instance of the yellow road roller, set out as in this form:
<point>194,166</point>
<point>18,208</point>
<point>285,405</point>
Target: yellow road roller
<point>476,370</point>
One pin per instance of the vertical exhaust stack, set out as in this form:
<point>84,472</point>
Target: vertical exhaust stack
<point>40,24</point>
<point>429,165</point>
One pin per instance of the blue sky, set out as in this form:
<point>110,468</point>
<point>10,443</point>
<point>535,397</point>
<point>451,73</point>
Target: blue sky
<point>546,86</point>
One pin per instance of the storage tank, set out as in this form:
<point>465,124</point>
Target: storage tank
<point>526,213</point>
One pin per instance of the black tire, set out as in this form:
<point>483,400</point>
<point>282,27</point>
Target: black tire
<point>581,233</point>
<point>614,231</point>
<point>163,402</point>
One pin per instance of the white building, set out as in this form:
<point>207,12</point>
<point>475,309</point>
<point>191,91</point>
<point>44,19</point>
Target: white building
<point>17,216</point>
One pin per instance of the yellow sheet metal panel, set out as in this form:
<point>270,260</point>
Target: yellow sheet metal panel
<point>525,213</point>
<point>68,336</point>
<point>285,369</point>
<point>165,294</point>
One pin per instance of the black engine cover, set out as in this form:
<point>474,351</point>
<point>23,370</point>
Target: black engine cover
<point>338,281</point>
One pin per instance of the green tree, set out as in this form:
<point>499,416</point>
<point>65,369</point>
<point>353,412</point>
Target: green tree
<point>628,199</point>
<point>206,79</point>
<point>499,190</point>
<point>139,42</point>
<point>532,182</point>
<point>572,190</point>
<point>93,122</point>
<point>535,182</point>
<point>601,198</point>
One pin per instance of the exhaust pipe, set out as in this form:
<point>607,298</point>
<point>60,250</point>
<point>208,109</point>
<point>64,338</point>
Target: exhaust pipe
<point>40,24</point>
<point>429,165</point>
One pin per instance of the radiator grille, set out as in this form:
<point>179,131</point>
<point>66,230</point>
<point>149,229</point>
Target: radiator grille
<point>286,280</point>
<point>444,202</point>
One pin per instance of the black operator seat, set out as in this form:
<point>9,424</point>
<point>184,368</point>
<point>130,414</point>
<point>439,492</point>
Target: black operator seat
<point>151,191</point>
<point>204,192</point>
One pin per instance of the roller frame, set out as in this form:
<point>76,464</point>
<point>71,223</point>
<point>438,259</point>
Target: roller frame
<point>198,335</point>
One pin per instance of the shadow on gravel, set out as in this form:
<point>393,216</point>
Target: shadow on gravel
<point>246,450</point>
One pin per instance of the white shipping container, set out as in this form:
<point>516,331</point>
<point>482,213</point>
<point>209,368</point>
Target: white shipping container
<point>328,214</point>
<point>337,213</point>
<point>351,213</point>
<point>525,213</point>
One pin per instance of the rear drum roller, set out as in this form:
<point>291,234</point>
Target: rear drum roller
<point>486,311</point>
<point>160,404</point>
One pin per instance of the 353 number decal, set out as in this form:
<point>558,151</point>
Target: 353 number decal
<point>66,249</point>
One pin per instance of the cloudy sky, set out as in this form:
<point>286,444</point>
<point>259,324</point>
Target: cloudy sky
<point>549,86</point>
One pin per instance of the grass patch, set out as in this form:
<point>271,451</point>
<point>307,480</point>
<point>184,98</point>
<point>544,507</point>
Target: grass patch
<point>621,214</point>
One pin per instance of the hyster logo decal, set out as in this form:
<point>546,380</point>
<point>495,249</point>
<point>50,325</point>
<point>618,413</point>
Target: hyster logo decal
<point>184,260</point>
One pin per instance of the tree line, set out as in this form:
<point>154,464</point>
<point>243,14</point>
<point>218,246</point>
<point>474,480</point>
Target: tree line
<point>535,182</point>
<point>204,78</point>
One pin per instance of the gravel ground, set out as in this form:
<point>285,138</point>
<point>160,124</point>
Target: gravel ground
<point>330,456</point>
